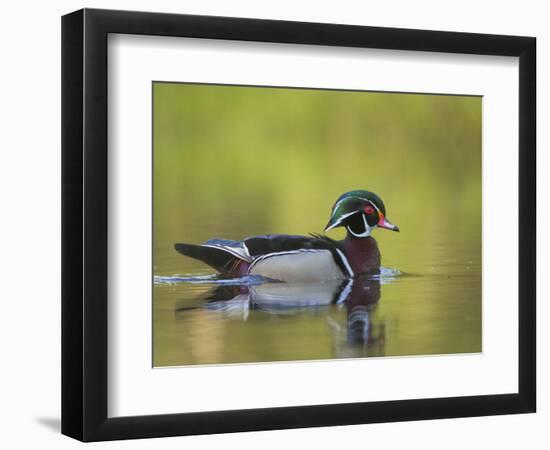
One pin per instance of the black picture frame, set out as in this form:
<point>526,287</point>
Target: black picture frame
<point>84,224</point>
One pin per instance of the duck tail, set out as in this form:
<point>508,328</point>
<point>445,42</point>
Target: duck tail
<point>218,258</point>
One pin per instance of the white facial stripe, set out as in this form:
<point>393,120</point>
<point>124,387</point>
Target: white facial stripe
<point>338,204</point>
<point>344,199</point>
<point>365,233</point>
<point>340,219</point>
<point>368,229</point>
<point>375,207</point>
<point>354,196</point>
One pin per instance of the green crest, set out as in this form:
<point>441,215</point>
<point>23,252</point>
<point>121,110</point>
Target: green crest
<point>352,202</point>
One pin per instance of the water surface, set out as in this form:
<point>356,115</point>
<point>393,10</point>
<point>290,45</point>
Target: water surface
<point>232,162</point>
<point>428,309</point>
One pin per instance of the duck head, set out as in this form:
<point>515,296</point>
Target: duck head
<point>360,212</point>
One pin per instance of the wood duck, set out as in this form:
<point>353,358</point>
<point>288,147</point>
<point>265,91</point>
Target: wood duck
<point>305,258</point>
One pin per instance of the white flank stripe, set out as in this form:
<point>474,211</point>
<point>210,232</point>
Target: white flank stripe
<point>346,263</point>
<point>345,292</point>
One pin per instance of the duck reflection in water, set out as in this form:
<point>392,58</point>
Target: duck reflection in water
<point>355,333</point>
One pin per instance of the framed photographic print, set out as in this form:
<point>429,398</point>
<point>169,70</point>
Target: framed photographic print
<point>272,224</point>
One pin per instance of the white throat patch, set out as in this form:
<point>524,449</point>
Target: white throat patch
<point>366,232</point>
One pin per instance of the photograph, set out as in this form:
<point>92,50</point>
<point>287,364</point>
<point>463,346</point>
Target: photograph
<point>290,223</point>
<point>302,224</point>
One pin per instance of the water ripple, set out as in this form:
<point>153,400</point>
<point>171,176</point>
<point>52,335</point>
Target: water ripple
<point>386,275</point>
<point>248,280</point>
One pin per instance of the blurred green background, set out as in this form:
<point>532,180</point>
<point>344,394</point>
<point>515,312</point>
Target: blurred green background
<point>233,161</point>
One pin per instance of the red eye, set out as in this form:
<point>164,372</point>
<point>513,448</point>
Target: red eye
<point>369,210</point>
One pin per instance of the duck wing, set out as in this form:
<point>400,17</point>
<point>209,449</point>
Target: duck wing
<point>290,257</point>
<point>276,243</point>
<point>278,256</point>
